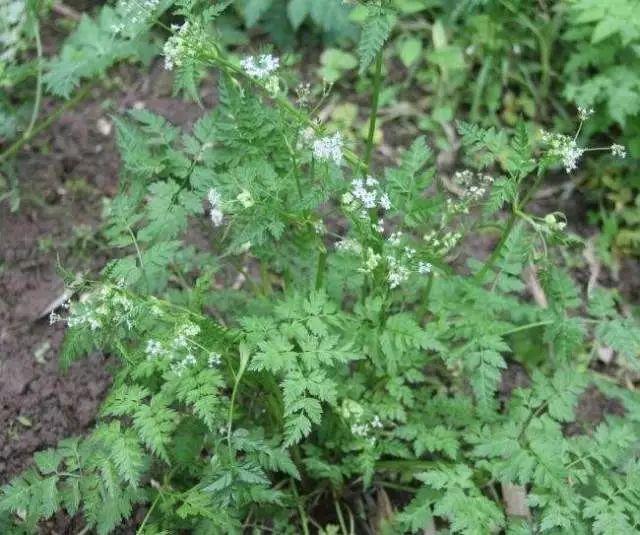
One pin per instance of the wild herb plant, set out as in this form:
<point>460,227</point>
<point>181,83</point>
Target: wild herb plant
<point>297,325</point>
<point>116,34</point>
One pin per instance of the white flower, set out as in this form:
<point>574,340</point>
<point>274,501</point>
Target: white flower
<point>385,202</point>
<point>424,268</point>
<point>394,239</point>
<point>565,148</point>
<point>571,155</point>
<point>397,272</point>
<point>376,423</point>
<point>360,430</point>
<point>329,148</point>
<point>190,360</point>
<point>216,213</point>
<point>214,360</point>
<point>260,67</point>
<point>618,150</point>
<point>154,349</point>
<point>175,48</point>
<point>348,245</point>
<point>584,113</point>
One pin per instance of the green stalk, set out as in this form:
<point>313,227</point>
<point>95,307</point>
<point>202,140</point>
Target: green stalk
<point>322,265</point>
<point>36,104</point>
<point>509,227</point>
<point>498,249</point>
<point>373,116</point>
<point>343,524</point>
<point>45,124</point>
<point>140,530</point>
<point>303,516</point>
<point>244,360</point>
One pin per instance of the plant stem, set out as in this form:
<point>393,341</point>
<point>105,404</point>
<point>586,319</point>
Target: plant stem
<point>244,360</point>
<point>498,249</point>
<point>36,104</point>
<point>526,327</point>
<point>343,524</point>
<point>46,123</point>
<point>373,116</point>
<point>509,227</point>
<point>322,265</point>
<point>139,531</point>
<point>303,516</point>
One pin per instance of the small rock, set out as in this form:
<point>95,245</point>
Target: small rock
<point>104,126</point>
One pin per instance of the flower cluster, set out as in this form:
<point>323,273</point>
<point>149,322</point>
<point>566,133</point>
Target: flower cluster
<point>214,360</point>
<point>215,213</point>
<point>360,427</point>
<point>349,245</point>
<point>401,262</point>
<point>584,113</point>
<point>442,242</point>
<point>183,45</point>
<point>366,429</point>
<point>132,14</point>
<point>329,148</point>
<point>474,185</point>
<point>180,350</point>
<point>366,194</point>
<point>565,148</point>
<point>108,305</point>
<point>618,150</point>
<point>260,67</point>
<point>13,16</point>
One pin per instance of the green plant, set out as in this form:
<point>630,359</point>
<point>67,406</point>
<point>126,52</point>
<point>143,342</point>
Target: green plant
<point>336,337</point>
<point>116,34</point>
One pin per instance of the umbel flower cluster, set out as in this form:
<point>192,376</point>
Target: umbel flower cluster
<point>184,45</point>
<point>365,195</point>
<point>329,148</point>
<point>13,16</point>
<point>215,210</point>
<point>133,14</point>
<point>566,148</point>
<point>107,305</point>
